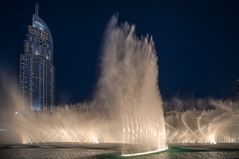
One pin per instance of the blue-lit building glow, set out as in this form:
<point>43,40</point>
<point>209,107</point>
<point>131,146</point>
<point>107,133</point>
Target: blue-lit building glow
<point>36,66</point>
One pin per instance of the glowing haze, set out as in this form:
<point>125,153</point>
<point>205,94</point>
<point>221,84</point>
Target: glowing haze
<point>211,126</point>
<point>126,108</point>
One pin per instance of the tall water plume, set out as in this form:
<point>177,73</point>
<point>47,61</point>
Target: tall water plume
<point>127,88</point>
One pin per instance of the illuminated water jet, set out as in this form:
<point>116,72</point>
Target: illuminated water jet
<point>218,125</point>
<point>128,88</point>
<point>126,108</point>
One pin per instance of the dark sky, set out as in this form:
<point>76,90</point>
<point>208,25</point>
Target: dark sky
<point>197,42</point>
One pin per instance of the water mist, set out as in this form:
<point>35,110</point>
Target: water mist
<point>128,89</point>
<point>126,108</point>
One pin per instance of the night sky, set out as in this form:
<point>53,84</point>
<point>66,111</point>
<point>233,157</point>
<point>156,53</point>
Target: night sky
<point>197,42</point>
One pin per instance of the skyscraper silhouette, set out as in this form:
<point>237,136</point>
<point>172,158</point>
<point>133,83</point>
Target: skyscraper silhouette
<point>36,66</point>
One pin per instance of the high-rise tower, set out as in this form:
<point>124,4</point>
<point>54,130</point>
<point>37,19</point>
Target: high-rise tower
<point>36,66</point>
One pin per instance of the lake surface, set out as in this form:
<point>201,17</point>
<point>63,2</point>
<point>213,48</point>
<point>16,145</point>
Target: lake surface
<point>112,151</point>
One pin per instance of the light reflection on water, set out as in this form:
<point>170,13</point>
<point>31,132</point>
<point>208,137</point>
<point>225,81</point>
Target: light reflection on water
<point>70,153</point>
<point>54,153</point>
<point>194,155</point>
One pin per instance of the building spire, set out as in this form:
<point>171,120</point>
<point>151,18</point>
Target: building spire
<point>36,9</point>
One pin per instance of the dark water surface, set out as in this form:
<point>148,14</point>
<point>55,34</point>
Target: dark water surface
<point>112,151</point>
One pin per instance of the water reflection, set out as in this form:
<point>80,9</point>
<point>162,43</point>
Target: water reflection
<point>98,153</point>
